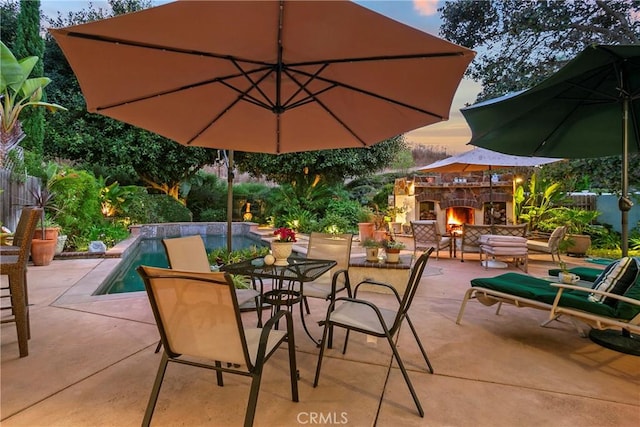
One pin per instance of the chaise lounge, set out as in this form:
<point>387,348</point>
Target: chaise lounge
<point>578,302</point>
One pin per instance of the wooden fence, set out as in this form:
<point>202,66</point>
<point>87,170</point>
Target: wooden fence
<point>15,192</point>
<point>582,201</point>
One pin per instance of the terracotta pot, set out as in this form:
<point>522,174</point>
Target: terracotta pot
<point>380,235</point>
<point>42,251</point>
<point>281,251</point>
<point>50,233</point>
<point>393,255</point>
<point>366,230</point>
<point>578,244</point>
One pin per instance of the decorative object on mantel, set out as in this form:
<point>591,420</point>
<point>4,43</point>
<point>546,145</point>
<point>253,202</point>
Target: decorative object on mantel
<point>282,246</point>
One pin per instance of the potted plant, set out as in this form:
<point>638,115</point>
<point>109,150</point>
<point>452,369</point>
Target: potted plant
<point>392,249</point>
<point>282,246</point>
<point>372,248</point>
<point>366,226</point>
<point>578,223</point>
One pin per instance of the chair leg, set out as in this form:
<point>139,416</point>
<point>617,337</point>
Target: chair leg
<point>253,396</point>
<point>19,308</point>
<point>306,304</point>
<point>321,354</point>
<point>467,297</point>
<point>219,374</point>
<point>158,347</point>
<point>156,390</point>
<point>415,335</point>
<point>405,374</point>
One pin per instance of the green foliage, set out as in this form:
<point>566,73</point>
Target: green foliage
<point>109,233</point>
<point>207,198</point>
<point>220,256</point>
<point>403,160</point>
<point>168,209</point>
<point>334,223</point>
<point>9,10</point>
<point>29,43</point>
<point>115,200</point>
<point>534,38</point>
<point>18,92</point>
<point>77,200</point>
<point>597,175</point>
<point>541,199</point>
<point>333,166</point>
<point>577,221</point>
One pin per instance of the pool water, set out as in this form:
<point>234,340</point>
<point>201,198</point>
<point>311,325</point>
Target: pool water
<point>151,252</point>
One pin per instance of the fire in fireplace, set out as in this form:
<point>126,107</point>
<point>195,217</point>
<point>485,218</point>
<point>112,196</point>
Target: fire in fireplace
<point>456,216</point>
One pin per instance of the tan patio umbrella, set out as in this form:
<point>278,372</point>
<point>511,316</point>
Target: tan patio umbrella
<point>265,76</point>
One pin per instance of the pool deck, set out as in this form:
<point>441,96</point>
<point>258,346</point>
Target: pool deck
<point>92,363</point>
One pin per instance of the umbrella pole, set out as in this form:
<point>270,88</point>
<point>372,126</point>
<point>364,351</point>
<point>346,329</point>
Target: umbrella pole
<point>229,200</point>
<point>624,204</point>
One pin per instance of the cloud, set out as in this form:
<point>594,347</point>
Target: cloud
<point>425,7</point>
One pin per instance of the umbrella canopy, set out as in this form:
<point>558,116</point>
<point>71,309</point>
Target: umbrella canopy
<point>589,108</point>
<point>481,159</point>
<point>265,76</point>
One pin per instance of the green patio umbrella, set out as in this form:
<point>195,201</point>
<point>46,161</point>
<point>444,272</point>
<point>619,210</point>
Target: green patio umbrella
<point>590,108</point>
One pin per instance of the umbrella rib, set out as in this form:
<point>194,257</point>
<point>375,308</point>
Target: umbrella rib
<point>378,58</point>
<point>221,80</point>
<point>242,96</point>
<point>115,40</point>
<point>302,87</point>
<point>372,94</point>
<point>331,113</point>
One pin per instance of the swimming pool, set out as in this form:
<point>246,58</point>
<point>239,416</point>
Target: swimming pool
<point>151,252</point>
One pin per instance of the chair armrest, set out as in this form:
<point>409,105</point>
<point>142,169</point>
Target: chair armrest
<point>269,326</point>
<point>334,281</point>
<point>377,283</point>
<point>562,286</point>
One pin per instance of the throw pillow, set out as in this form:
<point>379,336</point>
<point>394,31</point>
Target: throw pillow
<point>615,279</point>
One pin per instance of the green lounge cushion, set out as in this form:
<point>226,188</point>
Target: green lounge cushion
<point>588,274</point>
<point>628,311</point>
<point>540,290</point>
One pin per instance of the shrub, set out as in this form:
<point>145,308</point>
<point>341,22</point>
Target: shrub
<point>76,200</point>
<point>169,209</point>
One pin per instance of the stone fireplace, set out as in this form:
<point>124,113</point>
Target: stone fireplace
<point>454,199</point>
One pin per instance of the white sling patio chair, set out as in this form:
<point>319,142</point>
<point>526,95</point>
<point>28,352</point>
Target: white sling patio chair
<point>363,316</point>
<point>199,321</point>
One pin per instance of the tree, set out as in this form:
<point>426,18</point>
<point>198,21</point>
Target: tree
<point>520,43</point>
<point>331,166</point>
<point>28,42</point>
<point>9,10</point>
<point>101,142</point>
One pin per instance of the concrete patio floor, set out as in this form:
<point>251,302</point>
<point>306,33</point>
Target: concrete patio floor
<point>92,363</point>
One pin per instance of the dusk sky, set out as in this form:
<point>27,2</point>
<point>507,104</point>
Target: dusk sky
<point>422,14</point>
